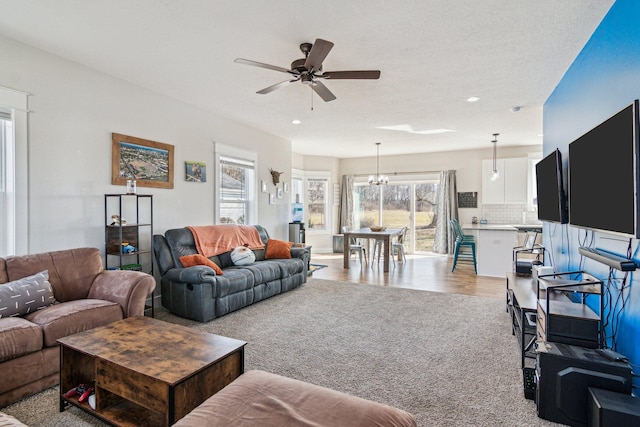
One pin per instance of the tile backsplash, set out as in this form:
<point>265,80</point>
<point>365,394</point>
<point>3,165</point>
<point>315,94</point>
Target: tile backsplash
<point>509,214</point>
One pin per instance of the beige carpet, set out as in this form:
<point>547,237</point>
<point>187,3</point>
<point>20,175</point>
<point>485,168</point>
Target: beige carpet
<point>448,359</point>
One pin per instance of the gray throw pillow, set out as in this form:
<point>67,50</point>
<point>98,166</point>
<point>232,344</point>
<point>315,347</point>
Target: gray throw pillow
<point>26,295</point>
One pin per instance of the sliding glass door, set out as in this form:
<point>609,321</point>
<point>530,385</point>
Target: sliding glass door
<point>426,196</point>
<point>397,205</point>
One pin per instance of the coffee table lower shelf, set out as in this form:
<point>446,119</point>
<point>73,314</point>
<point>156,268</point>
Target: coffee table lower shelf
<point>124,413</point>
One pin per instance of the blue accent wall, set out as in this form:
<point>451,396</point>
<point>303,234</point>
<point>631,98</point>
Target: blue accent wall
<point>603,79</point>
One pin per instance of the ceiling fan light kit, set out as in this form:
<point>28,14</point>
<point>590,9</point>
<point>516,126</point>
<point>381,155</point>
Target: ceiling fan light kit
<point>308,70</point>
<point>378,179</point>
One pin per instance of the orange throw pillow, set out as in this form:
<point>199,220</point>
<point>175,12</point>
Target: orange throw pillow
<point>197,259</point>
<point>278,249</point>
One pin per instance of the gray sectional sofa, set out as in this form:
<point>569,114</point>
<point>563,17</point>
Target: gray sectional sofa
<point>198,293</point>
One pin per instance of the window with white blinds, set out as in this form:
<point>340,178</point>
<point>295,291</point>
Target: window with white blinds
<point>236,186</point>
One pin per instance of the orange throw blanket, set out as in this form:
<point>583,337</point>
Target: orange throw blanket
<point>216,239</point>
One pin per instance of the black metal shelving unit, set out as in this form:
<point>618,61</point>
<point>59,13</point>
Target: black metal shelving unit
<point>138,233</point>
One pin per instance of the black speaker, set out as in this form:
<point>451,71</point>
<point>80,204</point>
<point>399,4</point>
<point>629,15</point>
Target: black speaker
<point>611,409</point>
<point>565,372</point>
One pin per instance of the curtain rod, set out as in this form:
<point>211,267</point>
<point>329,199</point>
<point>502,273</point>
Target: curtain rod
<point>397,173</point>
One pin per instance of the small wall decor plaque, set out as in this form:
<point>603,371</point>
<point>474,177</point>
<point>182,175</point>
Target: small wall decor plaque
<point>468,199</point>
<point>195,171</point>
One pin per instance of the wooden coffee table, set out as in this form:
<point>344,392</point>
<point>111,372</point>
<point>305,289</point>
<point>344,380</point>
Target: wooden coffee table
<point>147,372</point>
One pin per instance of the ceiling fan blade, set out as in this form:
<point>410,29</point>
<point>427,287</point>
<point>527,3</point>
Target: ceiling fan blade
<point>322,91</point>
<point>362,74</point>
<point>318,53</point>
<point>275,86</point>
<point>262,65</point>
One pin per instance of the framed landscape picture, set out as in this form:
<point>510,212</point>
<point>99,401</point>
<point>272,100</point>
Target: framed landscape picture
<point>150,163</point>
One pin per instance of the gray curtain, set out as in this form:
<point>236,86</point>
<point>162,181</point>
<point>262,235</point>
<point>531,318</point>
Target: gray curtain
<point>345,210</point>
<point>446,209</point>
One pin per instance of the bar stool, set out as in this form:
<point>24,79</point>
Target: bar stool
<point>465,246</point>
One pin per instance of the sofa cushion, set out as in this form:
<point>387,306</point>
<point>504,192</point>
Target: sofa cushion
<point>197,259</point>
<point>4,278</point>
<point>235,279</point>
<point>72,317</point>
<point>265,271</point>
<point>278,249</point>
<point>71,271</point>
<point>26,295</point>
<point>18,337</point>
<point>290,267</point>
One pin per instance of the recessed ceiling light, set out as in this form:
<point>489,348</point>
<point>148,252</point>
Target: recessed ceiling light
<point>473,99</point>
<point>296,121</point>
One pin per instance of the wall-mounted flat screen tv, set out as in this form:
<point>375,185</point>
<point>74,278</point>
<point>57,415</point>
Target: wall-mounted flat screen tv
<point>603,176</point>
<point>552,203</point>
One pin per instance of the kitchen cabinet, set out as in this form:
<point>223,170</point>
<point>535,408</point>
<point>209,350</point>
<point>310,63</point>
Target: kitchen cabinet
<point>494,248</point>
<point>510,187</point>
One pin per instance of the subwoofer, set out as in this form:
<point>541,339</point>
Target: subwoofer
<point>564,374</point>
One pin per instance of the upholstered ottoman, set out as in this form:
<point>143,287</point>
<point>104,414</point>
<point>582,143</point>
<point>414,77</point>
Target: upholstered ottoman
<point>258,398</point>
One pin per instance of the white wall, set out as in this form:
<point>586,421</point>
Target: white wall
<point>74,111</point>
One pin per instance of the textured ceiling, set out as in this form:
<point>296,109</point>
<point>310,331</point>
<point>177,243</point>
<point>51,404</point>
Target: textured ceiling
<point>432,54</point>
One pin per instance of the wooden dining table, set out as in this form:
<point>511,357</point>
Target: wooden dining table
<point>365,233</point>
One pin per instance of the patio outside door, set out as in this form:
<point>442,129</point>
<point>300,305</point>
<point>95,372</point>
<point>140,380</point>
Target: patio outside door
<point>410,204</point>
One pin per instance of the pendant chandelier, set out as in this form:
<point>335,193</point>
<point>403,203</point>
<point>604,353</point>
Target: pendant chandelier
<point>378,179</point>
<point>496,172</point>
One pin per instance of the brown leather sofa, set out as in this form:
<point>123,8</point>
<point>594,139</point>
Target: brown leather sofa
<point>86,296</point>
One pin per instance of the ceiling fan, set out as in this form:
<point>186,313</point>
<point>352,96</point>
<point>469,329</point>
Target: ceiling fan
<point>308,70</point>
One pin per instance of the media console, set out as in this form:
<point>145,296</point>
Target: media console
<point>547,313</point>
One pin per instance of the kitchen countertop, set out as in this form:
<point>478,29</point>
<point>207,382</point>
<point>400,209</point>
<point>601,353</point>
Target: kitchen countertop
<point>503,227</point>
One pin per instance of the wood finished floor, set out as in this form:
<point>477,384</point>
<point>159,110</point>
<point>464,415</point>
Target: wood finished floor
<point>426,272</point>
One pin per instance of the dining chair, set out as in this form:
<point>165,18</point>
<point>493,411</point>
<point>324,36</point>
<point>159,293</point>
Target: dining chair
<point>397,247</point>
<point>356,246</point>
<point>465,246</point>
